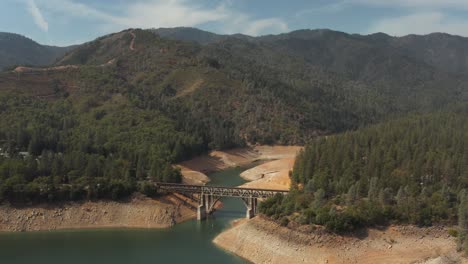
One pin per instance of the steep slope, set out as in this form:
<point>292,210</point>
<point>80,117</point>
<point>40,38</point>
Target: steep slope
<point>408,170</point>
<point>276,89</point>
<point>18,50</point>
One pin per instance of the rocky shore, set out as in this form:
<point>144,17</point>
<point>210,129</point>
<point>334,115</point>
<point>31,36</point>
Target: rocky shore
<point>194,171</point>
<point>262,241</point>
<point>139,212</point>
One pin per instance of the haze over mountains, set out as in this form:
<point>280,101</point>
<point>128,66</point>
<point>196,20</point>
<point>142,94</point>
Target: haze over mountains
<point>18,50</point>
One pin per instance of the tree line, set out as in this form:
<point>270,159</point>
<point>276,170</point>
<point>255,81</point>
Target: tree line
<point>412,170</point>
<point>83,148</point>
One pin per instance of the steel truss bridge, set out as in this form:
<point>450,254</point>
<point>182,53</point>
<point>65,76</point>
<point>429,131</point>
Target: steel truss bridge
<point>208,196</point>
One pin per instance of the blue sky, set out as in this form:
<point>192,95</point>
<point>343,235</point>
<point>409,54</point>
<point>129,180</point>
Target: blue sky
<point>65,22</point>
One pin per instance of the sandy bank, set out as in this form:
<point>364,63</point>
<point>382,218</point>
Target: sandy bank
<point>194,171</point>
<point>270,175</point>
<point>262,241</point>
<point>139,212</point>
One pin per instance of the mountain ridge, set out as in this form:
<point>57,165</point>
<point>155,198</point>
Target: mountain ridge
<point>16,49</point>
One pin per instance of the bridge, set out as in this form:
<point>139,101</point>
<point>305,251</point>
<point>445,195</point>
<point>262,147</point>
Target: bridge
<point>208,196</point>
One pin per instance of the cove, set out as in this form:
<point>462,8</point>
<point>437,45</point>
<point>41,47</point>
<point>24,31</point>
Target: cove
<point>188,242</point>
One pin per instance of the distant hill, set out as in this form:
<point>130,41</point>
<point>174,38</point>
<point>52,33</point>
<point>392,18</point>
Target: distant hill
<point>272,89</point>
<point>195,35</point>
<point>443,51</point>
<point>189,34</point>
<point>18,50</point>
<point>230,90</point>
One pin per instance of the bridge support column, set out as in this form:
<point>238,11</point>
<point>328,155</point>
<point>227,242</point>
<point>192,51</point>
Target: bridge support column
<point>208,199</point>
<point>201,209</point>
<point>201,214</point>
<point>251,207</point>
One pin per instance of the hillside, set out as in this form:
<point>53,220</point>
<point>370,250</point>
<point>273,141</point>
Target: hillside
<point>189,34</point>
<point>277,89</point>
<point>411,170</point>
<point>445,52</point>
<point>18,50</point>
<point>121,109</point>
<point>195,35</point>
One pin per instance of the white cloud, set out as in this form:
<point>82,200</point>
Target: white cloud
<point>421,23</point>
<point>171,13</point>
<point>242,23</point>
<point>328,8</point>
<point>416,16</point>
<point>413,5</point>
<point>425,4</point>
<point>271,25</point>
<point>37,15</point>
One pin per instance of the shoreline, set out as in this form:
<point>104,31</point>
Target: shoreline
<point>138,212</point>
<point>261,240</point>
<point>194,171</point>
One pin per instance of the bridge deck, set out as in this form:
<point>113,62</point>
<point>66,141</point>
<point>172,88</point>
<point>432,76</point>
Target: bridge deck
<point>219,191</point>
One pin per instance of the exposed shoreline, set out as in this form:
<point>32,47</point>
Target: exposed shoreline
<point>139,211</point>
<point>194,171</point>
<point>260,240</point>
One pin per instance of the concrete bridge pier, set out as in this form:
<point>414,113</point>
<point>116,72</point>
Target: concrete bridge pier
<point>208,196</point>
<point>208,201</point>
<point>201,213</point>
<point>201,209</point>
<point>251,204</point>
<point>206,205</point>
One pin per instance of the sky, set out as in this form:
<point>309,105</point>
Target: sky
<point>66,22</point>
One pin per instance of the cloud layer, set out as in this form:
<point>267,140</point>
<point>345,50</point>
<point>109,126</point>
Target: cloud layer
<point>421,16</point>
<point>420,4</point>
<point>37,15</point>
<point>407,16</point>
<point>172,13</point>
<point>421,23</point>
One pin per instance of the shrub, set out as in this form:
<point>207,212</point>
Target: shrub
<point>453,232</point>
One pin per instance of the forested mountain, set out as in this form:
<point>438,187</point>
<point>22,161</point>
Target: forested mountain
<point>119,110</point>
<point>410,170</point>
<point>18,50</point>
<point>189,34</point>
<point>196,35</point>
<point>447,53</point>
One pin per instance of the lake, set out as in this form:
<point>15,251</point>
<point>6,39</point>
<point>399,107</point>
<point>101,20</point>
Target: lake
<point>188,242</point>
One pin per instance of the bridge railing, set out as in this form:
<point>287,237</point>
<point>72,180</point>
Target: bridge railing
<point>220,191</point>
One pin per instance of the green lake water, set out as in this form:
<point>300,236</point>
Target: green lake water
<point>189,242</point>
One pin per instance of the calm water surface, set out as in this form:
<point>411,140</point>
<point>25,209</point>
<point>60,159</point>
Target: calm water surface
<point>189,242</point>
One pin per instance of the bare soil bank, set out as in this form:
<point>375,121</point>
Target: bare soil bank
<point>262,241</point>
<point>270,175</point>
<point>139,212</point>
<point>194,171</point>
